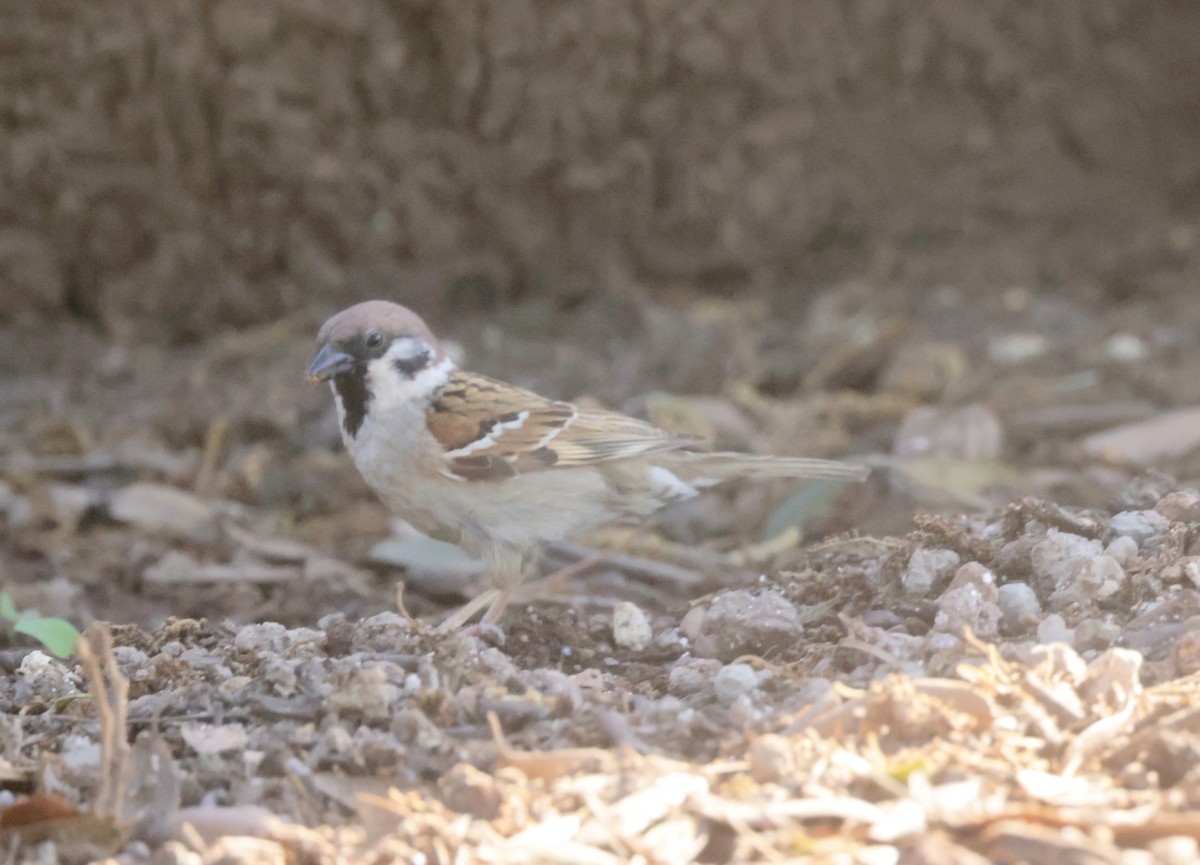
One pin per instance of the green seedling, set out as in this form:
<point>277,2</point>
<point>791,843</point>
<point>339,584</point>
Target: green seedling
<point>57,635</point>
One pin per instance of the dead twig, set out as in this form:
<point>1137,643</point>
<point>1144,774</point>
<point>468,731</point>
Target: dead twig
<point>110,695</point>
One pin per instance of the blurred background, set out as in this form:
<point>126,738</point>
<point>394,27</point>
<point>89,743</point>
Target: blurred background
<point>958,240</point>
<point>176,169</point>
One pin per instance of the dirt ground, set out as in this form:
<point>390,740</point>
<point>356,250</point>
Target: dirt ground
<point>957,243</point>
<point>987,650</point>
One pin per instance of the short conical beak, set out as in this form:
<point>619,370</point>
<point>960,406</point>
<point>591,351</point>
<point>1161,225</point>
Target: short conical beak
<point>328,363</point>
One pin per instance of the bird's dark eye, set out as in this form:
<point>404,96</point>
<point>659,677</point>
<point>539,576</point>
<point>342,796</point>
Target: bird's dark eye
<point>374,339</point>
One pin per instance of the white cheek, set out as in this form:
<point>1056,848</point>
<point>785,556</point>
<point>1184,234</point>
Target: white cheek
<point>391,388</point>
<point>406,348</point>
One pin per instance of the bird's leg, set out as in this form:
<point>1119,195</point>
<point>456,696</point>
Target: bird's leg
<point>586,559</point>
<point>507,568</point>
<point>468,610</point>
<point>503,596</point>
<point>510,568</point>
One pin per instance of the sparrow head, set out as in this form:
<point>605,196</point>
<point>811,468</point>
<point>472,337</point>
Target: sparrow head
<point>380,352</point>
<point>375,330</point>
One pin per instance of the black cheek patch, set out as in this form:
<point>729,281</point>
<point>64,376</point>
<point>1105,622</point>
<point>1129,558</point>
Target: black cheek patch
<point>410,366</point>
<point>352,389</point>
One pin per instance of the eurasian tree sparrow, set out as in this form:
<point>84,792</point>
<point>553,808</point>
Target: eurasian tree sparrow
<point>503,470</point>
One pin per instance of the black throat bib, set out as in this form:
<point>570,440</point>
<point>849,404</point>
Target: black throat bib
<point>352,390</point>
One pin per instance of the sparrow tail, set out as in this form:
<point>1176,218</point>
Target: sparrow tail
<point>704,469</point>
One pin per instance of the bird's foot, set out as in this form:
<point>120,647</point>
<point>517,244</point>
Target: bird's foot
<point>486,632</point>
<point>496,610</point>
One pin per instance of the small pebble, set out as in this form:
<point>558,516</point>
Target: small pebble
<point>938,642</point>
<point>692,622</point>
<point>1056,557</point>
<point>1180,507</point>
<point>1096,634</point>
<point>691,675</point>
<point>1053,629</point>
<point>69,502</point>
<point>1014,348</point>
<point>733,681</point>
<point>1187,653</point>
<point>50,678</point>
<point>743,713</point>
<point>80,754</point>
<point>884,619</point>
<point>1140,525</point>
<point>1122,548</point>
<point>974,574</point>
<point>382,632</point>
<point>273,638</point>
<point>1092,578</point>
<point>631,628</point>
<point>1018,605</point>
<point>925,567</point>
<point>739,623</point>
<point>1126,347</point>
<point>970,602</point>
<point>670,638</point>
<point>231,687</point>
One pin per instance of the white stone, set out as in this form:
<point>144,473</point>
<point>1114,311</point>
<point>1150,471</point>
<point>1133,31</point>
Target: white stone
<point>631,628</point>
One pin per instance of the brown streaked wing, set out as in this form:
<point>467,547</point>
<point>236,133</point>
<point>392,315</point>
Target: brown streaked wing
<point>596,436</point>
<point>492,430</point>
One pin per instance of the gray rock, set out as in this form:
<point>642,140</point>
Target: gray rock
<point>382,632</point>
<point>742,623</point>
<point>1055,558</point>
<point>1019,605</point>
<point>1091,579</point>
<point>925,567</point>
<point>1122,548</point>
<point>1140,525</point>
<point>69,502</point>
<point>1096,634</point>
<point>734,681</point>
<point>972,601</point>
<point>1181,506</point>
<point>690,675</point>
<point>692,623</point>
<point>1053,629</point>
